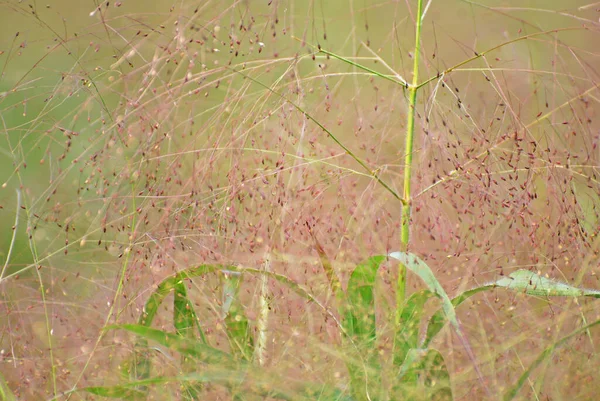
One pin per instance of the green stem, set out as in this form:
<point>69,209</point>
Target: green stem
<point>408,150</point>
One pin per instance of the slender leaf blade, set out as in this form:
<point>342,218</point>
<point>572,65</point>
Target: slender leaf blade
<point>420,268</point>
<point>184,318</point>
<point>190,347</point>
<point>240,337</point>
<point>523,281</point>
<point>407,334</point>
<point>511,393</point>
<point>532,283</point>
<point>358,321</point>
<point>437,321</point>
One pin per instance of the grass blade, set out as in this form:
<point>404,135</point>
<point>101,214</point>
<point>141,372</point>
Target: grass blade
<point>238,330</point>
<point>184,318</point>
<point>358,320</point>
<point>139,367</point>
<point>185,346</point>
<point>523,281</point>
<point>5,392</point>
<point>437,321</point>
<point>407,335</point>
<point>512,392</point>
<point>534,284</point>
<point>423,375</point>
<point>420,268</point>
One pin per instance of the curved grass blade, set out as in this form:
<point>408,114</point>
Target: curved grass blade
<point>358,320</point>
<point>256,382</point>
<point>185,346</point>
<point>184,315</point>
<point>6,393</point>
<point>437,378</point>
<point>420,268</point>
<point>184,319</point>
<point>437,321</point>
<point>411,359</point>
<point>407,335</point>
<point>424,374</point>
<point>359,316</point>
<point>139,367</point>
<point>534,284</point>
<point>238,329</point>
<point>512,392</point>
<point>523,281</point>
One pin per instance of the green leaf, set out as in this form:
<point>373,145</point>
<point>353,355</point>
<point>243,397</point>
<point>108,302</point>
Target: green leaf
<point>523,281</point>
<point>184,316</point>
<point>420,268</point>
<point>423,376</point>
<point>184,319</point>
<point>238,329</point>
<point>6,393</point>
<point>120,392</point>
<point>437,321</point>
<point>407,335</point>
<point>189,347</point>
<point>139,367</point>
<point>358,321</point>
<point>534,284</point>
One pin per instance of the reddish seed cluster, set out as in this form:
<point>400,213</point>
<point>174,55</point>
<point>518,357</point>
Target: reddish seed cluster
<point>150,142</point>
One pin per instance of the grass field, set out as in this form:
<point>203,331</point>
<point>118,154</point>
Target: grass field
<point>334,200</point>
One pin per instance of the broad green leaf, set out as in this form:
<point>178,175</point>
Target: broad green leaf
<point>359,317</point>
<point>436,377</point>
<point>238,329</point>
<point>420,268</point>
<point>358,321</point>
<point>139,367</point>
<point>407,334</point>
<point>184,316</point>
<point>168,285</point>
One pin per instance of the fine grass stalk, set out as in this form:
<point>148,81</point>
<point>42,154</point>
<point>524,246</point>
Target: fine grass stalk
<point>408,149</point>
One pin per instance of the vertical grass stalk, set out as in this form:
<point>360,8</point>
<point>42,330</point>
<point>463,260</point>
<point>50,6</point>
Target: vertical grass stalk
<point>408,149</point>
<point>263,314</point>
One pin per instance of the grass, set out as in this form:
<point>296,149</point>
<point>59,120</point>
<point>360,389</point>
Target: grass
<point>232,178</point>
